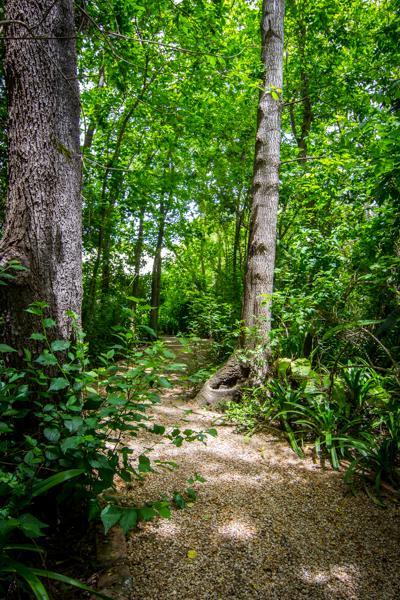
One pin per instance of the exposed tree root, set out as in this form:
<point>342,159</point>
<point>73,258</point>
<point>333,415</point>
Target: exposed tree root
<point>225,384</point>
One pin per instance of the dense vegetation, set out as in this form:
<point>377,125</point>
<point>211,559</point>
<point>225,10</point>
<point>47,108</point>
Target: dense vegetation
<point>169,97</point>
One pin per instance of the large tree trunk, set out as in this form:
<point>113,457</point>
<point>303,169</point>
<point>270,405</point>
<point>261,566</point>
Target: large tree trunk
<point>262,239</point>
<point>43,220</point>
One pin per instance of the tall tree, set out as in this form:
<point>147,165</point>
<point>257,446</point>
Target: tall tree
<point>43,219</point>
<point>262,236</point>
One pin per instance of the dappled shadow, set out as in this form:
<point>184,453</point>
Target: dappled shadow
<point>265,525</point>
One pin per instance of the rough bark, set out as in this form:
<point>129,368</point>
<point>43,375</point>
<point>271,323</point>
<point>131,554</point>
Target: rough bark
<point>43,218</point>
<point>259,277</point>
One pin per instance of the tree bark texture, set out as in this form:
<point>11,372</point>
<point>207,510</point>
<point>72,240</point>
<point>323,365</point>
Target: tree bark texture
<point>43,218</point>
<point>262,239</point>
<point>259,278</point>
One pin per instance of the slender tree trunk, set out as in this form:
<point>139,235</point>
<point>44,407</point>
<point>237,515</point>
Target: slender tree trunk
<point>43,220</point>
<point>107,204</point>
<point>259,277</point>
<point>89,134</point>
<point>156,273</point>
<point>138,256</point>
<point>307,115</point>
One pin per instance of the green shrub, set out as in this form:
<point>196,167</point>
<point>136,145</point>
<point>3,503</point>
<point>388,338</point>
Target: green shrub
<point>63,423</point>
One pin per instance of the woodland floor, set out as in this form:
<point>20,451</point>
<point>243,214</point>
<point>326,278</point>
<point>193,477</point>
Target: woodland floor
<point>266,524</point>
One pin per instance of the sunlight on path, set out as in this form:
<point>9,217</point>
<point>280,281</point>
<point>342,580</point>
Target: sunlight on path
<point>266,524</point>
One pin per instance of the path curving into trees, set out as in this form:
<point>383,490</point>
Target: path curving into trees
<point>266,524</point>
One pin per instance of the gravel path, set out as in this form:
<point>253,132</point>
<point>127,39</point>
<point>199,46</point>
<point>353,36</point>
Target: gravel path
<point>265,525</point>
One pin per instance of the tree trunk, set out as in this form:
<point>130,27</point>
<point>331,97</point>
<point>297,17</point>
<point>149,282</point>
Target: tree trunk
<point>43,220</point>
<point>306,105</point>
<point>138,256</point>
<point>90,131</point>
<point>262,239</point>
<point>156,273</point>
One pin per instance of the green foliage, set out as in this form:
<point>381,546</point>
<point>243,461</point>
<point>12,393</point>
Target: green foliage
<point>349,418</point>
<point>63,425</point>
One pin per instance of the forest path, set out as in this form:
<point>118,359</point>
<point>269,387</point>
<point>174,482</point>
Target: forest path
<point>265,525</point>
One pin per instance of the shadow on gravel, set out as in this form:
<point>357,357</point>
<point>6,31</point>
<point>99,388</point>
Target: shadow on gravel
<point>266,525</point>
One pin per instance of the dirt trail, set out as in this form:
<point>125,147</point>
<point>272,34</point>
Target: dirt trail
<point>265,525</point>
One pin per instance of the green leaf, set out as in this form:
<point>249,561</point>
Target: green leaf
<point>4,427</point>
<point>34,310</point>
<point>6,348</point>
<point>46,359</point>
<point>70,443</point>
<point>179,500</point>
<point>38,336</point>
<point>128,520</point>
<point>163,509</point>
<point>31,578</point>
<point>144,464</point>
<point>191,493</point>
<point>110,515</point>
<point>31,526</point>
<point>146,513</point>
<point>73,424</point>
<point>149,330</point>
<point>58,383</point>
<point>213,432</point>
<point>60,345</point>
<point>48,323</point>
<point>51,434</point>
<point>164,382</point>
<point>158,429</point>
<point>43,486</point>
<point>69,581</point>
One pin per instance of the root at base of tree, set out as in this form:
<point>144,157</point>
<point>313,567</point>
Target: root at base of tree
<point>225,384</point>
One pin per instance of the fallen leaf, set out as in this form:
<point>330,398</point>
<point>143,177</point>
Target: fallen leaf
<point>192,554</point>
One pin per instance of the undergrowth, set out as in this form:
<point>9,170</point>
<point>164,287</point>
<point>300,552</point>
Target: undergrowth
<point>64,443</point>
<point>350,416</point>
